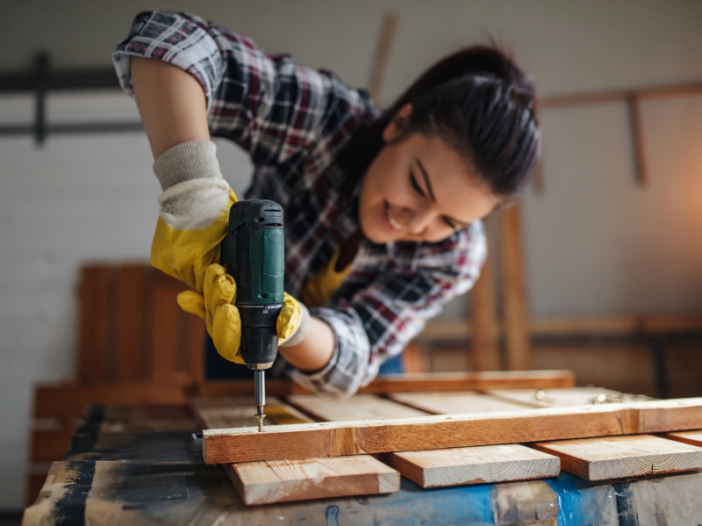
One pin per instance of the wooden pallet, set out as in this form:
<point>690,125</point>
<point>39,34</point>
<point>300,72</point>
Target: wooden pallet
<point>489,438</point>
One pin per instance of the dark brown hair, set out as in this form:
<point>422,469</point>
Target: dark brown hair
<point>481,103</point>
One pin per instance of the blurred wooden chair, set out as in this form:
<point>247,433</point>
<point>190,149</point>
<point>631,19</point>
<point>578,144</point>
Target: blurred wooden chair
<point>134,345</point>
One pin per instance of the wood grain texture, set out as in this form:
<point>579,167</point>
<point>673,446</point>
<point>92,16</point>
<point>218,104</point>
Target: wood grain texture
<point>314,478</point>
<point>474,465</point>
<point>608,458</point>
<point>558,397</point>
<point>239,412</point>
<point>459,402</point>
<point>330,439</point>
<point>688,437</point>
<point>358,407</point>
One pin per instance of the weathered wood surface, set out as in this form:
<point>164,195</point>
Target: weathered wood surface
<point>609,458</point>
<point>563,397</point>
<point>312,478</point>
<point>407,382</point>
<point>214,413</point>
<point>473,465</point>
<point>129,493</point>
<point>688,437</point>
<point>459,402</point>
<point>329,439</point>
<point>359,407</point>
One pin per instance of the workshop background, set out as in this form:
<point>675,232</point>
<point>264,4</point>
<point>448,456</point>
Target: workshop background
<point>597,243</point>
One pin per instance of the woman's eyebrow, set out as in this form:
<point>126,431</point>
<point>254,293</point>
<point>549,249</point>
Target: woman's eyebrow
<point>426,180</point>
<point>431,192</point>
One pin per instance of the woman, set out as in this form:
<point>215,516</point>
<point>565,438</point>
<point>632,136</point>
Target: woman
<point>382,211</point>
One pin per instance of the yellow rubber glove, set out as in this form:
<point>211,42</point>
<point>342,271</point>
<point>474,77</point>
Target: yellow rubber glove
<point>192,223</point>
<point>216,307</point>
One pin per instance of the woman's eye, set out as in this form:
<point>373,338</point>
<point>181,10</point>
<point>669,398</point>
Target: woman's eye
<point>449,223</point>
<point>415,185</point>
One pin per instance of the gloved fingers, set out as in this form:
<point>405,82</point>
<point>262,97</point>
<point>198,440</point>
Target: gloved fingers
<point>289,317</point>
<point>226,332</point>
<point>220,288</point>
<point>192,302</point>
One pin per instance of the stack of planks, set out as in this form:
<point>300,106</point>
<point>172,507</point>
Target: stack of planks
<point>362,445</point>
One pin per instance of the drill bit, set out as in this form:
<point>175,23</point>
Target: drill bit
<point>260,394</point>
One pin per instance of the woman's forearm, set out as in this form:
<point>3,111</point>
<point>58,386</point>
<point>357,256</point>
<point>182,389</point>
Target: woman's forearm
<point>171,103</point>
<point>314,351</point>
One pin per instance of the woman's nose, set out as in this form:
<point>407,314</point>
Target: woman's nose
<point>417,220</point>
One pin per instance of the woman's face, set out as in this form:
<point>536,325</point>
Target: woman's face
<point>420,189</point>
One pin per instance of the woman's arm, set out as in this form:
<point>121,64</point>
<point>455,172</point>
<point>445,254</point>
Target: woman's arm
<point>314,351</point>
<point>172,106</point>
<point>171,103</point>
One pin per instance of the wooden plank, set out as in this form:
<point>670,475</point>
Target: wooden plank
<point>359,407</point>
<point>313,478</point>
<point>165,330</point>
<point>407,382</point>
<point>382,54</point>
<point>485,348</point>
<point>93,318</point>
<point>69,400</point>
<point>474,465</point>
<point>517,335</point>
<point>639,147</point>
<point>634,324</point>
<point>330,439</point>
<point>688,437</point>
<point>240,411</point>
<point>130,305</point>
<point>625,456</point>
<point>459,402</point>
<point>565,397</point>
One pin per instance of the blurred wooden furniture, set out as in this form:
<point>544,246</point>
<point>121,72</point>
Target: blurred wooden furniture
<point>134,345</point>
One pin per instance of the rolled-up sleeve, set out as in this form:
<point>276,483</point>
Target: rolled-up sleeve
<point>271,106</point>
<point>383,313</point>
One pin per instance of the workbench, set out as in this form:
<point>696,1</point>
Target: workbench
<point>136,465</point>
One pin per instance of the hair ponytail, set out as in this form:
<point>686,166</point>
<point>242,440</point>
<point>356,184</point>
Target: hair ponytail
<point>482,104</point>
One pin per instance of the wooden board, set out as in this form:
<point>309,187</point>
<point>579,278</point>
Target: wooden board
<point>359,407</point>
<point>407,382</point>
<point>516,311</point>
<point>621,457</point>
<point>473,465</point>
<point>330,439</point>
<point>688,437</point>
<point>459,402</point>
<point>560,397</point>
<point>485,337</point>
<point>239,412</point>
<point>314,478</point>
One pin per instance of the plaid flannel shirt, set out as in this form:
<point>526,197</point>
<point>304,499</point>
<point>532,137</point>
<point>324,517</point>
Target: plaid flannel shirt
<point>292,121</point>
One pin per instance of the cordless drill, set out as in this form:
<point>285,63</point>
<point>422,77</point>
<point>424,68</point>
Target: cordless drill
<point>253,253</point>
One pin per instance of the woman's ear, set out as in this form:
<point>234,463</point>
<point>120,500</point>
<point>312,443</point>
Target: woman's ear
<point>398,124</point>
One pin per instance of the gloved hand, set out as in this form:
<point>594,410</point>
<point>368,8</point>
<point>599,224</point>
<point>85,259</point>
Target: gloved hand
<point>192,223</point>
<point>194,212</point>
<point>216,307</point>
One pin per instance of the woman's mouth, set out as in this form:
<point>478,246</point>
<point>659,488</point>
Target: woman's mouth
<point>394,224</point>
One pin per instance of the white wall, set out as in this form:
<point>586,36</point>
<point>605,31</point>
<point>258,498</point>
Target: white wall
<point>596,243</point>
